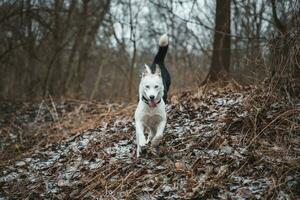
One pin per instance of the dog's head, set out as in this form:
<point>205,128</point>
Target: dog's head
<point>152,87</point>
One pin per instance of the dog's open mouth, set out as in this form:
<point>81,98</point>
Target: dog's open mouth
<point>152,104</point>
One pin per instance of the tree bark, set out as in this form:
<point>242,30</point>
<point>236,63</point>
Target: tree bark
<point>278,23</point>
<point>221,46</point>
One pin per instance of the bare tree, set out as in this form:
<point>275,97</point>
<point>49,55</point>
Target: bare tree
<point>221,46</point>
<point>94,49</point>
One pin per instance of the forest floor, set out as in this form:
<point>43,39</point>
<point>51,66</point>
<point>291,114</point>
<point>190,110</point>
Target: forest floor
<point>227,142</point>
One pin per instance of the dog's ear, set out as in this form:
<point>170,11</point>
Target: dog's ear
<point>146,70</point>
<point>157,70</point>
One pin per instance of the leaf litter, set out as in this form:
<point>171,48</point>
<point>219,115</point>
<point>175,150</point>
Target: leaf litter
<point>220,143</point>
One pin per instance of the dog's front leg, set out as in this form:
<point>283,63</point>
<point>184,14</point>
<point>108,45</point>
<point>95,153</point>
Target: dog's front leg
<point>151,135</point>
<point>140,137</point>
<point>159,134</point>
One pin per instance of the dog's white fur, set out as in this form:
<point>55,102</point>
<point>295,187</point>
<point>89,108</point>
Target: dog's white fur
<point>146,117</point>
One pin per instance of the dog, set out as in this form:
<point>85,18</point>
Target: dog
<point>151,110</point>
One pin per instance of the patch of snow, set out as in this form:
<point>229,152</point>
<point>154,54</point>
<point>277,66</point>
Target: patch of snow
<point>20,163</point>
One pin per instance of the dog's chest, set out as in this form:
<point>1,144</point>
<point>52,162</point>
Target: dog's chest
<point>152,120</point>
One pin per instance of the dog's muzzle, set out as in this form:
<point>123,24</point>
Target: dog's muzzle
<point>151,103</point>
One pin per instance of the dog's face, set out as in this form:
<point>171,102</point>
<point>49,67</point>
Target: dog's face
<point>152,85</point>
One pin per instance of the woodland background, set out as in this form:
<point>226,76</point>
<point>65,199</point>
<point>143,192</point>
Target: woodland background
<point>68,90</point>
<point>95,49</point>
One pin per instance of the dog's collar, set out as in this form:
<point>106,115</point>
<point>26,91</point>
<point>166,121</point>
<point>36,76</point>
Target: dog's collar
<point>147,101</point>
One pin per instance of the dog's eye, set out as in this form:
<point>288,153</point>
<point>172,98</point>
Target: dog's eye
<point>147,86</point>
<point>156,86</point>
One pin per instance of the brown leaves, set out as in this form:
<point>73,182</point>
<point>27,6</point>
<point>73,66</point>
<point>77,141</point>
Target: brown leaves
<point>210,150</point>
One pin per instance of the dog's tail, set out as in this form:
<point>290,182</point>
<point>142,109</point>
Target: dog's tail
<point>163,48</point>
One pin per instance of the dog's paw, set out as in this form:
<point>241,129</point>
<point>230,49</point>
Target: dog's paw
<point>142,141</point>
<point>144,150</point>
<point>149,139</point>
<point>141,150</point>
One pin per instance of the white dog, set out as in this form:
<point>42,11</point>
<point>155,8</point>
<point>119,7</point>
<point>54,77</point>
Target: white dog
<point>151,110</point>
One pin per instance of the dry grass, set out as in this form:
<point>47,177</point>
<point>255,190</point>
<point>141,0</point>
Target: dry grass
<point>27,126</point>
<point>221,142</point>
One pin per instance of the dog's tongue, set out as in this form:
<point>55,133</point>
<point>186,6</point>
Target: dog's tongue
<point>152,104</point>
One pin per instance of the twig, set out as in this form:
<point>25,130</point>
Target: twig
<point>274,120</point>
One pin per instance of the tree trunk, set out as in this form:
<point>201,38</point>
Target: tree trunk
<point>221,46</point>
<point>133,58</point>
<point>90,30</point>
<point>52,83</point>
<point>30,46</point>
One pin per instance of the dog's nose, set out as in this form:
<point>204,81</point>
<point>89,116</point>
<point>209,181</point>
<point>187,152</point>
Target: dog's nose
<point>151,97</point>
